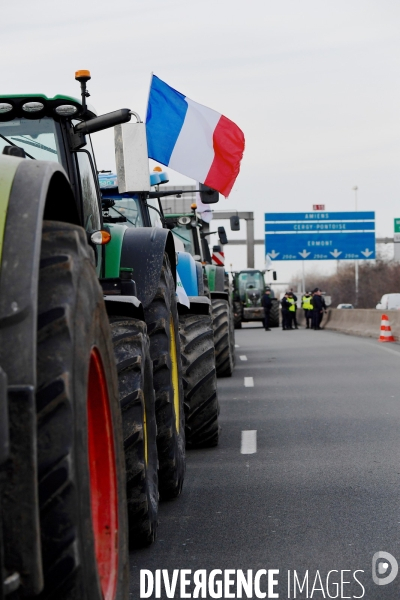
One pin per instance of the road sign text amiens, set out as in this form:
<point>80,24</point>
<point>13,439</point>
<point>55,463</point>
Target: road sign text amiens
<point>320,236</point>
<point>323,216</point>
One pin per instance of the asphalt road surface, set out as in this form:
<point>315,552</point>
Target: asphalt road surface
<point>318,490</point>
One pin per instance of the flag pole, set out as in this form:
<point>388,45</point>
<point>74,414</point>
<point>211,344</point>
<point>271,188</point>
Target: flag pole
<point>148,95</point>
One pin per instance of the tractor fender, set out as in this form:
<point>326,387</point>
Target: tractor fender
<point>215,278</point>
<point>124,306</point>
<point>187,270</point>
<point>143,250</point>
<point>36,186</point>
<point>219,296</point>
<point>199,305</point>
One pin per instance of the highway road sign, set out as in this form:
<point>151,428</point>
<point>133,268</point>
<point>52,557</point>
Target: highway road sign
<point>397,225</point>
<point>320,236</point>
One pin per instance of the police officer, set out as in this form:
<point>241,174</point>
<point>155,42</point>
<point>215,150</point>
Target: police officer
<point>294,316</point>
<point>307,307</point>
<point>267,304</point>
<point>319,306</point>
<point>291,311</point>
<point>285,312</point>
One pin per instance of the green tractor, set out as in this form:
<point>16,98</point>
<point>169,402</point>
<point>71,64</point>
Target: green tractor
<point>91,394</point>
<point>188,228</point>
<point>248,289</point>
<point>137,211</point>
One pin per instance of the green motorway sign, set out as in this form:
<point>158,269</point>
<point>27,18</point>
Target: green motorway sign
<point>397,225</point>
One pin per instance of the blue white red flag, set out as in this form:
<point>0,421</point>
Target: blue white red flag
<point>192,139</point>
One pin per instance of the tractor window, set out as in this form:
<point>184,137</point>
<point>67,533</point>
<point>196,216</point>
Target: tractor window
<point>91,211</point>
<point>37,137</point>
<point>250,281</point>
<point>185,234</point>
<point>128,208</point>
<point>154,213</point>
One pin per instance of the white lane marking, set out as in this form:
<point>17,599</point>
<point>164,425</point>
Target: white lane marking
<point>243,357</point>
<point>371,345</point>
<point>249,442</point>
<point>237,346</point>
<point>248,382</point>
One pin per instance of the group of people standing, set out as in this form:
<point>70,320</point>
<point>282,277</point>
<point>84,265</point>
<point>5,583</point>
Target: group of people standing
<point>312,303</point>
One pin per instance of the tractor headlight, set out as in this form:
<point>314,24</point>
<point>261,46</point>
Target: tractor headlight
<point>5,107</point>
<point>32,107</point>
<point>66,110</point>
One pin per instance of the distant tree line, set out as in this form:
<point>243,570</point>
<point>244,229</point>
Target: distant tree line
<point>375,279</point>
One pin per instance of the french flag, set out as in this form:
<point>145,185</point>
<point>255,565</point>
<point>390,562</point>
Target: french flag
<point>192,139</point>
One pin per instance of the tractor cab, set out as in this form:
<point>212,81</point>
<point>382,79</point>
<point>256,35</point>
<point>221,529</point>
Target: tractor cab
<point>193,232</point>
<point>35,127</point>
<point>133,209</point>
<point>188,228</point>
<point>248,290</point>
<point>250,286</point>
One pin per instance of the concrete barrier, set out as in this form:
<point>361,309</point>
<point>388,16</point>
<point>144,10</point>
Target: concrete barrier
<point>358,321</point>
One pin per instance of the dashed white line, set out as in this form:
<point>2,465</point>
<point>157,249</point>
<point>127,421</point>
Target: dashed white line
<point>237,346</point>
<point>248,382</point>
<point>249,442</point>
<point>243,357</point>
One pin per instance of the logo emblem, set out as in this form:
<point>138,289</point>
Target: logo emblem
<point>384,568</point>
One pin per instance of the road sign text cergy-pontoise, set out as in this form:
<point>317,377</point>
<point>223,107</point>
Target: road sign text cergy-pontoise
<point>320,236</point>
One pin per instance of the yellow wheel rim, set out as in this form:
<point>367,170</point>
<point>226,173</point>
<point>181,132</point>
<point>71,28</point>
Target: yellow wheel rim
<point>174,367</point>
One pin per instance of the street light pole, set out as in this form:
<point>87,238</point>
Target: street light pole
<point>355,188</point>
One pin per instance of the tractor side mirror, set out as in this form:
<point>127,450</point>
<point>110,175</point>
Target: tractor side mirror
<point>208,195</point>
<point>222,236</point>
<point>235,223</point>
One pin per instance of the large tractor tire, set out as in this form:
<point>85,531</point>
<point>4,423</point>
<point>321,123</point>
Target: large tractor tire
<point>199,381</point>
<point>79,432</point>
<point>224,361</point>
<point>228,289</point>
<point>137,401</point>
<point>274,314</point>
<point>163,329</point>
<point>237,315</point>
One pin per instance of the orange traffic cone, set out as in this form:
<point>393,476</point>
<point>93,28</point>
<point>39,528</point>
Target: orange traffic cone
<point>386,332</point>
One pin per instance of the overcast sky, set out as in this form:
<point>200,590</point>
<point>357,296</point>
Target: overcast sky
<point>314,85</point>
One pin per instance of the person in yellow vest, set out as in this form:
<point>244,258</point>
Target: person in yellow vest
<point>295,309</point>
<point>291,311</point>
<point>307,307</point>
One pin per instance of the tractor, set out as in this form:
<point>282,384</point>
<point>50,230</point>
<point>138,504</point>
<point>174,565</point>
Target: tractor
<point>248,289</point>
<point>189,229</point>
<point>91,388</point>
<point>135,211</point>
